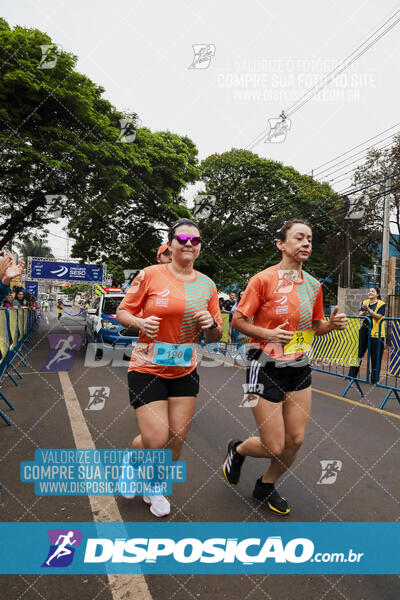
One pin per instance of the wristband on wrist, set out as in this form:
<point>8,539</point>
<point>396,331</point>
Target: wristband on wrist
<point>214,325</point>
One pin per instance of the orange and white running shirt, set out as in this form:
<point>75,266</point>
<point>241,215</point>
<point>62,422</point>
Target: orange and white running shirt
<point>271,298</point>
<point>155,291</point>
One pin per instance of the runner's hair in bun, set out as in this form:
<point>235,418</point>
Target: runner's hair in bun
<point>281,233</point>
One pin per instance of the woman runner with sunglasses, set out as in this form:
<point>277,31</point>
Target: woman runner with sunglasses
<point>177,303</point>
<point>282,299</point>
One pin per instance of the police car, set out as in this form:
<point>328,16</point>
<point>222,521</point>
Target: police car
<point>102,327</point>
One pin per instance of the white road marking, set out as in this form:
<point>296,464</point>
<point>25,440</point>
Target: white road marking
<point>104,508</point>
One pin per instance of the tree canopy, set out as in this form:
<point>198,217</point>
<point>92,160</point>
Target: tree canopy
<point>378,176</point>
<point>253,198</point>
<point>34,245</point>
<point>61,138</point>
<point>66,150</point>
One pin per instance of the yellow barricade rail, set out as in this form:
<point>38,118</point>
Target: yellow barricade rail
<point>20,317</point>
<point>337,348</point>
<point>4,341</point>
<point>13,316</point>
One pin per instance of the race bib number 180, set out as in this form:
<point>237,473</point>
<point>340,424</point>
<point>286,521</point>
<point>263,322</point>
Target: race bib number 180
<point>301,342</point>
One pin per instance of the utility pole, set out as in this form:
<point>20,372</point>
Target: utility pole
<point>348,250</point>
<point>385,240</point>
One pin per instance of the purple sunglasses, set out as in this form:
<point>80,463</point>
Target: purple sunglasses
<point>182,238</point>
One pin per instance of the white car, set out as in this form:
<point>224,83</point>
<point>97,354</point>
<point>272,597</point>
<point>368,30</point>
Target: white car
<point>103,328</point>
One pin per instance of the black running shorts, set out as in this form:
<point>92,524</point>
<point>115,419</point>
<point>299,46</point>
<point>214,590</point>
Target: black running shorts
<point>271,382</point>
<point>145,388</point>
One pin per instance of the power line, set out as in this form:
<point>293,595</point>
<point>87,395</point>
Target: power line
<point>340,178</point>
<point>353,170</point>
<point>351,190</point>
<point>355,147</point>
<point>347,62</point>
<point>57,236</point>
<point>332,75</point>
<point>358,163</point>
<point>330,170</point>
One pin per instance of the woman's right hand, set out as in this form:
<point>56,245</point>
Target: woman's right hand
<point>280,335</point>
<point>151,326</point>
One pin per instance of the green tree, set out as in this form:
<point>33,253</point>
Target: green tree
<point>35,245</point>
<point>377,176</point>
<point>254,196</point>
<point>126,229</point>
<point>77,288</point>
<point>60,137</point>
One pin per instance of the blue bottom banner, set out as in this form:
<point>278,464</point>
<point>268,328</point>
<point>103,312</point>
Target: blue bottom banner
<point>211,548</point>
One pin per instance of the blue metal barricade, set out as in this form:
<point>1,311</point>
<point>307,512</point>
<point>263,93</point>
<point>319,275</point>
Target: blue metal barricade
<point>334,353</point>
<point>16,325</point>
<point>337,351</point>
<point>390,368</point>
<point>4,348</point>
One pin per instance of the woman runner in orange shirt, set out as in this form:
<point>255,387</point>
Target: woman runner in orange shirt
<point>177,303</point>
<point>282,300</point>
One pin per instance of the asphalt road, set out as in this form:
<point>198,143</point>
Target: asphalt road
<point>367,488</point>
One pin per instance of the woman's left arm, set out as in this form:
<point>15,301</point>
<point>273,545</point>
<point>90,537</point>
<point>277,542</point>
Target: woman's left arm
<point>336,321</point>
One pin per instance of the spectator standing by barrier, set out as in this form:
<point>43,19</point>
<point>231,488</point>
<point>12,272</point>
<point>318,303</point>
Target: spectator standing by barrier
<point>31,301</point>
<point>374,308</point>
<point>8,301</point>
<point>19,300</point>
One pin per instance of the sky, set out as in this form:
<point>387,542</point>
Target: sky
<point>264,56</point>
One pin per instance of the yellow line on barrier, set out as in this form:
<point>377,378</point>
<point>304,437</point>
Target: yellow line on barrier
<point>378,410</point>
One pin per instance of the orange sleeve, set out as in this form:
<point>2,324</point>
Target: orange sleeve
<point>136,294</point>
<point>252,298</point>
<point>213,306</point>
<point>318,312</point>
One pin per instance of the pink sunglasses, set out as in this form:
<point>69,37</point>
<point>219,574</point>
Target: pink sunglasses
<point>182,238</point>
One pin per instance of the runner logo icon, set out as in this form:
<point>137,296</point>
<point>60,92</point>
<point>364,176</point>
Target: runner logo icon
<point>330,470</point>
<point>63,543</point>
<point>203,53</point>
<point>98,397</point>
<point>251,392</point>
<point>61,355</point>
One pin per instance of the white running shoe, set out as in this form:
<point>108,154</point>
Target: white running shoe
<point>159,505</point>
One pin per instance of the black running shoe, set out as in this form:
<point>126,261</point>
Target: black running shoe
<point>233,463</point>
<point>267,494</point>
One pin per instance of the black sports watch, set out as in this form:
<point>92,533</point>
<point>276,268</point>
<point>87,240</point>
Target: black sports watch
<point>214,325</point>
